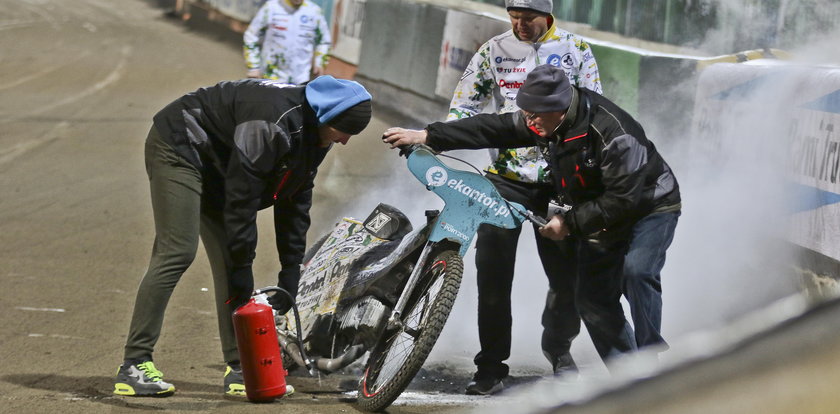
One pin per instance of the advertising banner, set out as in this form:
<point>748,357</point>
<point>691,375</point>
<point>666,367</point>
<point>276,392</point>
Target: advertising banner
<point>784,117</point>
<point>463,34</point>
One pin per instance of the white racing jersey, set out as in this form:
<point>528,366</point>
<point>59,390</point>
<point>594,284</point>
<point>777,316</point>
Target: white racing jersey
<point>495,74</point>
<point>282,41</point>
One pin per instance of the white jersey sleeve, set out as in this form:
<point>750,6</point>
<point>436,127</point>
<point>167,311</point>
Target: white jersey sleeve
<point>323,40</point>
<point>474,91</point>
<point>254,36</point>
<point>587,72</point>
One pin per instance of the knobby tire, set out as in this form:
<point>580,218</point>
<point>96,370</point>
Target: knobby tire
<point>441,280</point>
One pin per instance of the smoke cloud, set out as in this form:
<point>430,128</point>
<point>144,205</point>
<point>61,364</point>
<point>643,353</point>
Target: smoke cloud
<point>729,255</point>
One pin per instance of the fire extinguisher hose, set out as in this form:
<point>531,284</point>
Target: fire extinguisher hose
<point>279,290</point>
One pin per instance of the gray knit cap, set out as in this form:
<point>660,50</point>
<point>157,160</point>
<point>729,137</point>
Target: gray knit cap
<point>542,6</point>
<point>546,89</point>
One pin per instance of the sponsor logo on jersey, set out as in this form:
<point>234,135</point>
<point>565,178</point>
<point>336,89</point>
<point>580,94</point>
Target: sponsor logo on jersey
<point>510,85</point>
<point>500,69</point>
<point>500,59</point>
<point>564,61</point>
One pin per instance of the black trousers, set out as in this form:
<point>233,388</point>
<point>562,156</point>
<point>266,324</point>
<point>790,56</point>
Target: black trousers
<point>495,261</point>
<point>179,221</point>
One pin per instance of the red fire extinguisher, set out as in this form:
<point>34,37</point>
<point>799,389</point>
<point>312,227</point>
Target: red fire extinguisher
<point>259,352</point>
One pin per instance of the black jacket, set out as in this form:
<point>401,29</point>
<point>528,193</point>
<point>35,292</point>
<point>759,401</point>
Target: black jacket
<point>601,162</point>
<point>255,143</point>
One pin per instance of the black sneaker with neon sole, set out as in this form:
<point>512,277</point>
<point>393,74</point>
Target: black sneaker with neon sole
<point>234,384</point>
<point>141,380</point>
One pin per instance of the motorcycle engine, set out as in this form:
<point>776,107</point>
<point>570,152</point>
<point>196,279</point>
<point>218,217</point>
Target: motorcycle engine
<point>364,319</point>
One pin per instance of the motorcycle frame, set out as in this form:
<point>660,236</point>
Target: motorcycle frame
<point>463,209</point>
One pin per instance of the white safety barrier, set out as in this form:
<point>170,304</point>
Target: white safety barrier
<point>243,10</point>
<point>463,34</point>
<point>348,18</point>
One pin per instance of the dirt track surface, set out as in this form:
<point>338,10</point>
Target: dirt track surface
<point>79,83</point>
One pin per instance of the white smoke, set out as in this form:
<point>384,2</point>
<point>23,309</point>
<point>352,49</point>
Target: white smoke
<point>730,255</point>
<point>727,258</point>
<point>792,25</point>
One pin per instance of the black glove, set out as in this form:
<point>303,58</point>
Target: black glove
<point>287,279</point>
<point>240,285</point>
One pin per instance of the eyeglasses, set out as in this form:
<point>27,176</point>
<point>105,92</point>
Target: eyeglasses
<point>546,116</point>
<point>530,115</point>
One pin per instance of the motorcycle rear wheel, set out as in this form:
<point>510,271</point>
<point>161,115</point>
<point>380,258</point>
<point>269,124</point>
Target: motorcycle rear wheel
<point>400,354</point>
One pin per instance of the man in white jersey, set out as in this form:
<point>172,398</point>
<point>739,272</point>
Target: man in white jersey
<point>491,82</point>
<point>287,40</point>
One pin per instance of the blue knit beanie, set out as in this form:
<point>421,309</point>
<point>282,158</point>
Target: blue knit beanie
<point>330,97</point>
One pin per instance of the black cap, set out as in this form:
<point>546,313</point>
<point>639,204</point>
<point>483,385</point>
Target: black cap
<point>546,89</point>
<point>353,120</point>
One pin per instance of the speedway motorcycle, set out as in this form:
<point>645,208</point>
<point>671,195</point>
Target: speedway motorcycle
<point>383,287</point>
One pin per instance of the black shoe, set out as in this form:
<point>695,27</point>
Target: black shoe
<point>565,367</point>
<point>234,384</point>
<point>484,386</point>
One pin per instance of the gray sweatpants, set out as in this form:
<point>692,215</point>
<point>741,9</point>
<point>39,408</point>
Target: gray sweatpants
<point>176,203</point>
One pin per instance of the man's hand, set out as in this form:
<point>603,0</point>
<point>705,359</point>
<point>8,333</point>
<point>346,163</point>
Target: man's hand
<point>280,302</point>
<point>254,73</point>
<point>317,71</point>
<point>287,279</point>
<point>399,137</point>
<point>556,229</point>
<point>240,285</point>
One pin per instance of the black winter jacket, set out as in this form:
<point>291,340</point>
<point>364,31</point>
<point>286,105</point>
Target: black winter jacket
<point>255,143</point>
<point>600,160</point>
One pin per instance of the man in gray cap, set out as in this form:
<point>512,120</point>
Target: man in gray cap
<point>490,84</point>
<point>625,199</point>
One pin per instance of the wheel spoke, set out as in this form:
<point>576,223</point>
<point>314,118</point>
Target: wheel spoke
<point>394,362</point>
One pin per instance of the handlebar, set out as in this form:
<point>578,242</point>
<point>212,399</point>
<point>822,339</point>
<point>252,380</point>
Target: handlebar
<point>406,150</point>
<point>535,218</point>
<point>552,211</point>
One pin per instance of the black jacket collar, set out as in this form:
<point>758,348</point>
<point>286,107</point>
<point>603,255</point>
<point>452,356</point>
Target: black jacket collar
<point>576,124</point>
